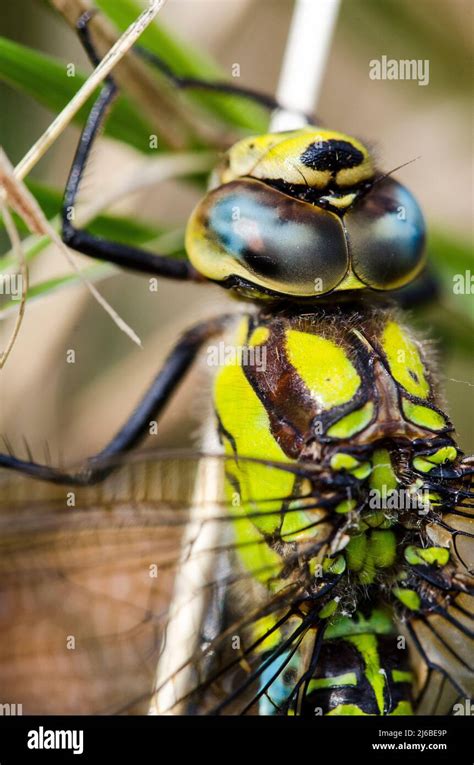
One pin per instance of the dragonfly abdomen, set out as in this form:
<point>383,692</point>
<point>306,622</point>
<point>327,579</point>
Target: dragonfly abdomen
<point>362,674</point>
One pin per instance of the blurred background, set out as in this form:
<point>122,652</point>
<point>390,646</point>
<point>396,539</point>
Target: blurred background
<point>76,408</point>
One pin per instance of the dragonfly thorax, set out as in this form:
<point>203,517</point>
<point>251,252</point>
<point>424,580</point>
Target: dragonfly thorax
<point>358,425</point>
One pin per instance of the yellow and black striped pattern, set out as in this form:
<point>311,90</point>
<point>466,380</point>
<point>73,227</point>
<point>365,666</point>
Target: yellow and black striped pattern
<point>311,156</point>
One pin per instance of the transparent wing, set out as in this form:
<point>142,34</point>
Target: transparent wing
<point>151,593</point>
<point>129,596</point>
<point>443,630</point>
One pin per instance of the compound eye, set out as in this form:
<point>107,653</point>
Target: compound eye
<point>386,236</point>
<point>247,228</point>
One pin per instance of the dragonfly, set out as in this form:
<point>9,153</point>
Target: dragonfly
<point>322,563</point>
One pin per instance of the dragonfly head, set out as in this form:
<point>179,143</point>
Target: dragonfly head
<point>302,214</point>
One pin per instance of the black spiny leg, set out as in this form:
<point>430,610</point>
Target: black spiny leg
<point>193,83</point>
<point>180,82</point>
<point>123,255</point>
<point>136,426</point>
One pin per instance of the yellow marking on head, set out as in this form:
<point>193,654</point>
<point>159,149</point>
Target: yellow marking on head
<point>363,471</point>
<point>282,163</point>
<point>324,367</point>
<point>340,202</point>
<point>245,154</point>
<point>277,156</point>
<point>350,282</point>
<point>342,461</point>
<point>350,176</point>
<point>404,360</point>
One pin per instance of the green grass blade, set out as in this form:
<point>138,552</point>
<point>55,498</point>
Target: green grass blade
<point>44,78</point>
<point>119,228</point>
